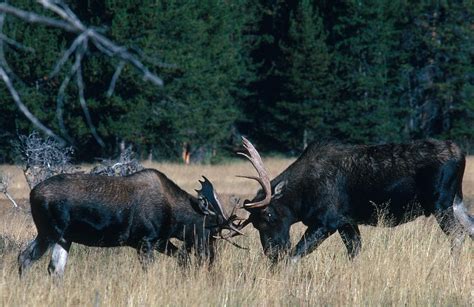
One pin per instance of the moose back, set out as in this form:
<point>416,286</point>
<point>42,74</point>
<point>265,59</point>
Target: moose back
<point>338,187</point>
<point>143,210</point>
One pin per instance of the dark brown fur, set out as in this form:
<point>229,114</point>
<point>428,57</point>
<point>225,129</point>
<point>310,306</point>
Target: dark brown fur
<point>144,211</point>
<point>337,187</point>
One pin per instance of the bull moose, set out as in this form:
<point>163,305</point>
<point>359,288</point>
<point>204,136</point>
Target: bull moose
<point>143,210</point>
<point>333,188</point>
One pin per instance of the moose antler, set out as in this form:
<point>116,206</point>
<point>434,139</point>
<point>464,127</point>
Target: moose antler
<point>223,222</point>
<point>254,157</point>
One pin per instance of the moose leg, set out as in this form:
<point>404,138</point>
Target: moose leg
<point>59,258</point>
<point>462,216</point>
<point>184,254</point>
<point>310,241</point>
<point>350,235</point>
<point>145,254</point>
<point>210,252</point>
<point>167,248</point>
<point>31,253</point>
<point>451,227</point>
<point>202,249</point>
<point>448,198</point>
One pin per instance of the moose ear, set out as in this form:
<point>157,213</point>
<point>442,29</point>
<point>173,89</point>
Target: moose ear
<point>278,191</point>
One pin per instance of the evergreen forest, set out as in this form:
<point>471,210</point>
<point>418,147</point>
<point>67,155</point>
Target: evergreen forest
<point>283,73</point>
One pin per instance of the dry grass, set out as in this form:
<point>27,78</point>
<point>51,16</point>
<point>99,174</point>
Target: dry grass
<point>406,265</point>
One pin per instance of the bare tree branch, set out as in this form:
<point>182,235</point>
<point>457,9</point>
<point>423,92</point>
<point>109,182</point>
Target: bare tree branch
<point>67,21</point>
<point>35,18</point>
<point>60,103</point>
<point>71,23</point>
<point>11,199</point>
<point>3,61</point>
<point>24,109</point>
<point>115,77</point>
<point>14,43</point>
<point>102,43</point>
<point>4,183</point>
<point>152,60</point>
<point>67,54</point>
<point>82,100</point>
<point>5,72</point>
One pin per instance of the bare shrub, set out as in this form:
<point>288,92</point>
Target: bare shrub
<point>46,157</point>
<point>126,164</point>
<point>43,158</point>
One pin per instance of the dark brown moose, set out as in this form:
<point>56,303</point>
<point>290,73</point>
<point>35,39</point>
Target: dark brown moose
<point>143,210</point>
<point>338,187</point>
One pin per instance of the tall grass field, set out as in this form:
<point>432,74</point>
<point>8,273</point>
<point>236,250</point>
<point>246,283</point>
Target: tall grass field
<point>406,265</point>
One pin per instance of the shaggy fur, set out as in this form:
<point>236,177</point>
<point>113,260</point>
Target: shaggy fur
<point>143,210</point>
<point>337,187</point>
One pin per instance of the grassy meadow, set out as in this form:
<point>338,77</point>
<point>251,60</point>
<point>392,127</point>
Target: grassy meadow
<point>406,265</point>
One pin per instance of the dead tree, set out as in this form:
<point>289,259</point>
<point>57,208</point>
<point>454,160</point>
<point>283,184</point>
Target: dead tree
<point>67,21</point>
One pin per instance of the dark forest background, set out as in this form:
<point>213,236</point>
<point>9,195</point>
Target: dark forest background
<point>283,73</point>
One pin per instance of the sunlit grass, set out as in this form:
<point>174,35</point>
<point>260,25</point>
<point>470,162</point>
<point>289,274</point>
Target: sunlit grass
<point>406,265</point>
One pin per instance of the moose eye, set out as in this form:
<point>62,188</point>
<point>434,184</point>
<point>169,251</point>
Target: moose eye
<point>269,217</point>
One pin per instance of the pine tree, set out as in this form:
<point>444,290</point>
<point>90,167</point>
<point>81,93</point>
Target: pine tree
<point>437,70</point>
<point>29,76</point>
<point>307,88</point>
<point>197,47</point>
<point>203,44</point>
<point>365,109</point>
<point>258,121</point>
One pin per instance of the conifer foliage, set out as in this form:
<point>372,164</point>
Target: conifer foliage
<point>285,73</point>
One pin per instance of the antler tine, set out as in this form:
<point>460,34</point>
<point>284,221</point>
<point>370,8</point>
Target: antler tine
<point>245,155</point>
<point>208,192</point>
<point>258,179</point>
<point>254,157</point>
<point>233,243</point>
<point>236,229</point>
